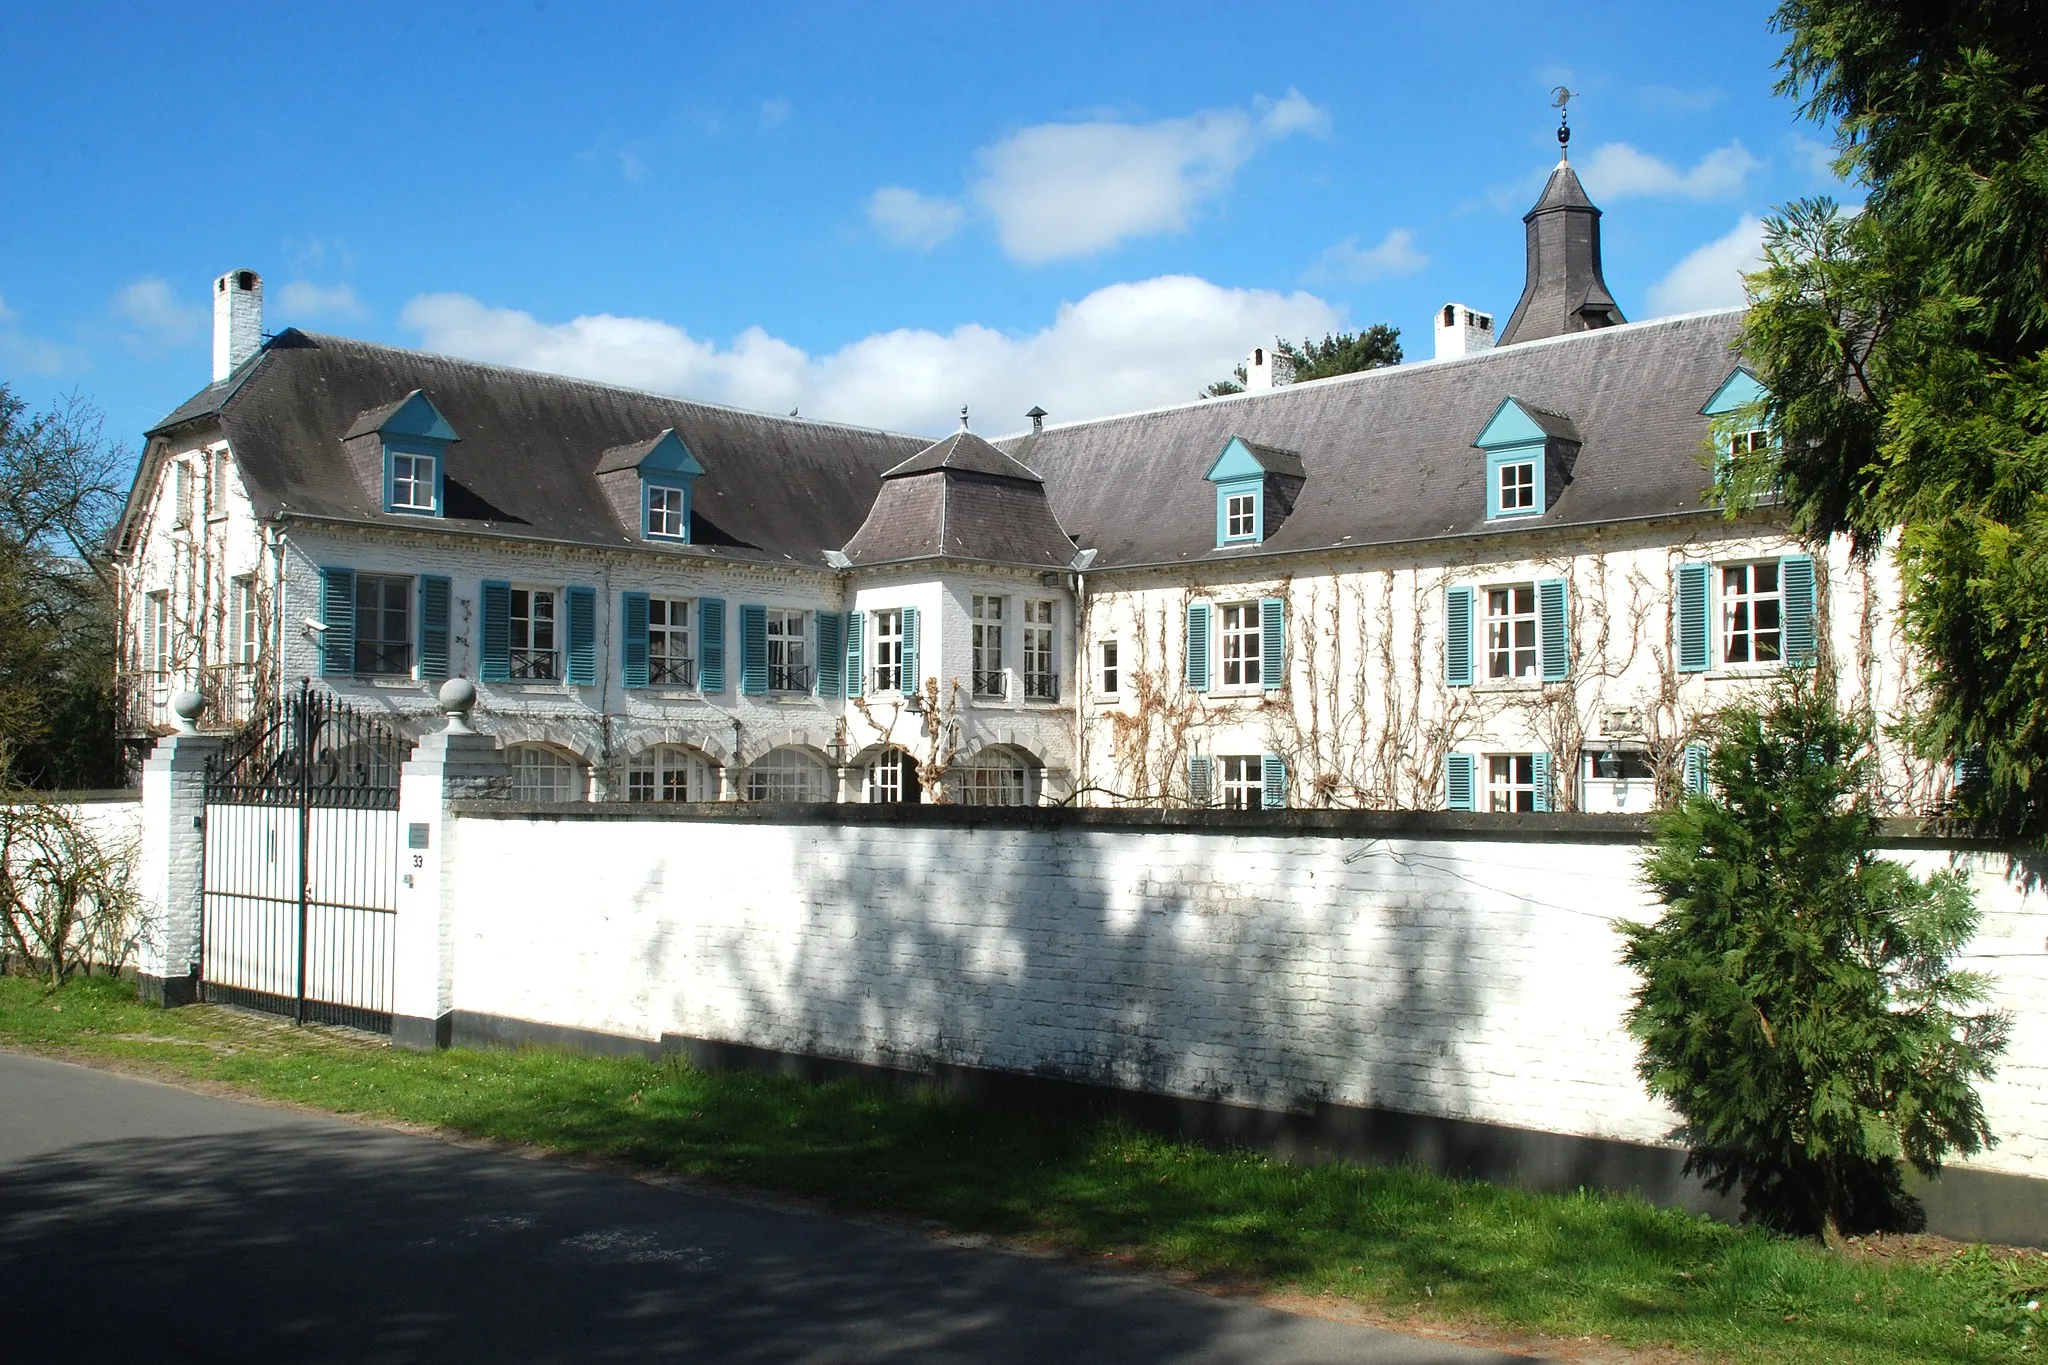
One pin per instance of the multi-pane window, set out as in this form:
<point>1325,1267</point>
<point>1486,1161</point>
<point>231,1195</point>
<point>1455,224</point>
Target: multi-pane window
<point>1752,614</point>
<point>992,778</point>
<point>987,642</point>
<point>248,636</point>
<point>1244,781</point>
<point>217,486</point>
<point>670,772</point>
<point>888,651</point>
<point>383,624</point>
<point>534,653</point>
<point>1511,782</point>
<point>892,778</point>
<point>1240,516</point>
<point>1511,650</point>
<point>412,482</point>
<point>669,662</point>
<point>156,633</point>
<point>665,511</point>
<point>789,664</point>
<point>1745,442</point>
<point>181,493</point>
<point>786,775</point>
<point>1241,645</point>
<point>1518,486</point>
<point>541,774</point>
<point>1112,681</point>
<point>1041,676</point>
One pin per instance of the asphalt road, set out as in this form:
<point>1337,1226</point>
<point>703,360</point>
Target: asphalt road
<point>139,1221</point>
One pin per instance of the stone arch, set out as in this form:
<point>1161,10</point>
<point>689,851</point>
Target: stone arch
<point>669,772</point>
<point>787,772</point>
<point>545,771</point>
<point>998,774</point>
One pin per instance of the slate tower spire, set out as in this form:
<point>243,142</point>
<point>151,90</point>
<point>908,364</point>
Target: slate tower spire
<point>1564,291</point>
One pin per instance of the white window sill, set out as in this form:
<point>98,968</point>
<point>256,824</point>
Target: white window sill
<point>1508,685</point>
<point>391,681</point>
<point>671,696</point>
<point>1742,672</point>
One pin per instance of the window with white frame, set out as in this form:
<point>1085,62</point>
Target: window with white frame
<point>535,653</point>
<point>1112,679</point>
<point>669,661</point>
<point>1041,672</point>
<point>786,774</point>
<point>248,629</point>
<point>986,639</point>
<point>217,485</point>
<point>181,494</point>
<point>892,779</point>
<point>156,633</point>
<point>1518,486</point>
<point>1240,516</point>
<point>888,675</point>
<point>1511,782</point>
<point>541,774</point>
<point>993,777</point>
<point>1243,781</point>
<point>1511,642</point>
<point>1241,645</point>
<point>412,482</point>
<point>671,772</point>
<point>1752,614</point>
<point>789,662</point>
<point>665,511</point>
<point>1754,440</point>
<point>383,624</point>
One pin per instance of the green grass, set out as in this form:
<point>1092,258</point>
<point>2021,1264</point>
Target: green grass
<point>1402,1243</point>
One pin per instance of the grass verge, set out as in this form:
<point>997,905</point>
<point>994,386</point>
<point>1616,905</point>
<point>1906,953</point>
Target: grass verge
<point>1402,1244</point>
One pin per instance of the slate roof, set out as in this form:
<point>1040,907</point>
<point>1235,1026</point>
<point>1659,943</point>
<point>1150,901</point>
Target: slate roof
<point>1274,460</point>
<point>775,489</point>
<point>1563,288</point>
<point>965,451</point>
<point>1389,455</point>
<point>961,498</point>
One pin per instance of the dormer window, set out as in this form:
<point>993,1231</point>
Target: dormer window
<point>668,512</point>
<point>1255,488</point>
<point>414,483</point>
<point>400,452</point>
<point>1241,516</point>
<point>1529,455</point>
<point>649,484</point>
<point>1517,486</point>
<point>1737,416</point>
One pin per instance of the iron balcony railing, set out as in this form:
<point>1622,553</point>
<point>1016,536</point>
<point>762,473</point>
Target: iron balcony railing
<point>384,659</point>
<point>886,679</point>
<point>991,682</point>
<point>1042,686</point>
<point>789,677</point>
<point>672,672</point>
<point>534,665</point>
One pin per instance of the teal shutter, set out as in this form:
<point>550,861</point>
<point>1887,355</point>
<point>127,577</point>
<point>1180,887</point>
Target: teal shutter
<point>753,650</point>
<point>434,592</point>
<point>1795,582</point>
<point>1691,596</point>
<point>495,663</point>
<point>831,655</point>
<point>338,614</point>
<point>1273,770</point>
<point>913,679</point>
<point>1693,770</point>
<point>1272,643</point>
<point>710,644</point>
<point>1540,768</point>
<point>1198,648</point>
<point>633,639</point>
<point>1554,627</point>
<point>1460,775</point>
<point>1199,785</point>
<point>582,652</point>
<point>856,662</point>
<point>1458,641</point>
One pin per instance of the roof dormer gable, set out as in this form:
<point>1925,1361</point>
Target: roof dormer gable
<point>649,485</point>
<point>399,454</point>
<point>1530,451</point>
<point>1255,490</point>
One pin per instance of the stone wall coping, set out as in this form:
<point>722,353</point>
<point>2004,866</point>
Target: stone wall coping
<point>100,797</point>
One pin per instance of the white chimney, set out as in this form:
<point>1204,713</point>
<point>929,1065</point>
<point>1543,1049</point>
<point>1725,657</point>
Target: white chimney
<point>237,320</point>
<point>1460,331</point>
<point>1266,368</point>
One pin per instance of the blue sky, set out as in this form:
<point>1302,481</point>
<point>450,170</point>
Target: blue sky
<point>869,213</point>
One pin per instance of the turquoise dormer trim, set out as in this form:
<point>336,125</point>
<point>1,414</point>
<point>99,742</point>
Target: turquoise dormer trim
<point>667,464</point>
<point>1736,415</point>
<point>1739,390</point>
<point>1238,473</point>
<point>1516,447</point>
<point>413,430</point>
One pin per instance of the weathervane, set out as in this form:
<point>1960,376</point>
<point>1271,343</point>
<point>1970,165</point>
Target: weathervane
<point>963,417</point>
<point>1559,98</point>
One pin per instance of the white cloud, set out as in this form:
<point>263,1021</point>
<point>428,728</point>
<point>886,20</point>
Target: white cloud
<point>1293,112</point>
<point>155,317</point>
<point>1395,255</point>
<point>908,218</point>
<point>1711,276</point>
<point>305,300</point>
<point>1618,171</point>
<point>1125,346</point>
<point>776,112</point>
<point>1814,157</point>
<point>21,351</point>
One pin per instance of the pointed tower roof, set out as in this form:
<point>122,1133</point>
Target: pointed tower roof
<point>1564,290</point>
<point>961,498</point>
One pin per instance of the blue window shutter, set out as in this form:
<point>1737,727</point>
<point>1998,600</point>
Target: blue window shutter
<point>1199,784</point>
<point>913,678</point>
<point>856,662</point>
<point>1459,779</point>
<point>831,655</point>
<point>1273,770</point>
<point>495,659</point>
<point>338,614</point>
<point>582,651</point>
<point>710,644</point>
<point>1693,772</point>
<point>1222,516</point>
<point>434,591</point>
<point>1540,777</point>
<point>1198,647</point>
<point>633,639</point>
<point>753,650</point>
<point>1272,643</point>
<point>1690,593</point>
<point>1795,581</point>
<point>1458,640</point>
<point>1554,627</point>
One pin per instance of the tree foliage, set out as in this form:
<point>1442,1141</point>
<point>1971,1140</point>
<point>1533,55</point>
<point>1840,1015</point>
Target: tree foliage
<point>1905,350</point>
<point>1796,1003</point>
<point>59,496</point>
<point>1337,353</point>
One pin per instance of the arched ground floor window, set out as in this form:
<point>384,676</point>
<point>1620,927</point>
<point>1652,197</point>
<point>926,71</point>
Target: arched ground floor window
<point>788,774</point>
<point>671,772</point>
<point>892,778</point>
<point>541,772</point>
<point>997,776</point>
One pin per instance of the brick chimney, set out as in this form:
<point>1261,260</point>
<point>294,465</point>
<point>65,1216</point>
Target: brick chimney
<point>237,320</point>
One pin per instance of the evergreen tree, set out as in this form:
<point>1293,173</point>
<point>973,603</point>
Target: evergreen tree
<point>1796,1003</point>
<point>1337,353</point>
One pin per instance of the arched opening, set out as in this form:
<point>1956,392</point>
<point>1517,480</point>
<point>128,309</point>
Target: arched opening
<point>671,772</point>
<point>541,772</point>
<point>892,779</point>
<point>999,775</point>
<point>788,774</point>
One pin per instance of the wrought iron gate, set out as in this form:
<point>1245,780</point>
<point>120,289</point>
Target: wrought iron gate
<point>300,881</point>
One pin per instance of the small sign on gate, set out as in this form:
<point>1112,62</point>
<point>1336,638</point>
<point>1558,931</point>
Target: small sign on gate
<point>415,836</point>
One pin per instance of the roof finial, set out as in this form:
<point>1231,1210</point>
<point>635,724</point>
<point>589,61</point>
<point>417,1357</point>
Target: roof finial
<point>963,417</point>
<point>1559,98</point>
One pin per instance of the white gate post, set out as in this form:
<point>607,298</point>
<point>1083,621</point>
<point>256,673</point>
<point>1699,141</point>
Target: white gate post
<point>447,766</point>
<point>171,858</point>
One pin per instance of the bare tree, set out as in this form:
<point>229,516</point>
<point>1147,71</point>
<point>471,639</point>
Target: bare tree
<point>67,903</point>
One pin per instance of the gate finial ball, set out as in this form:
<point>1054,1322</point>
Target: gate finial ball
<point>186,706</point>
<point>457,696</point>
